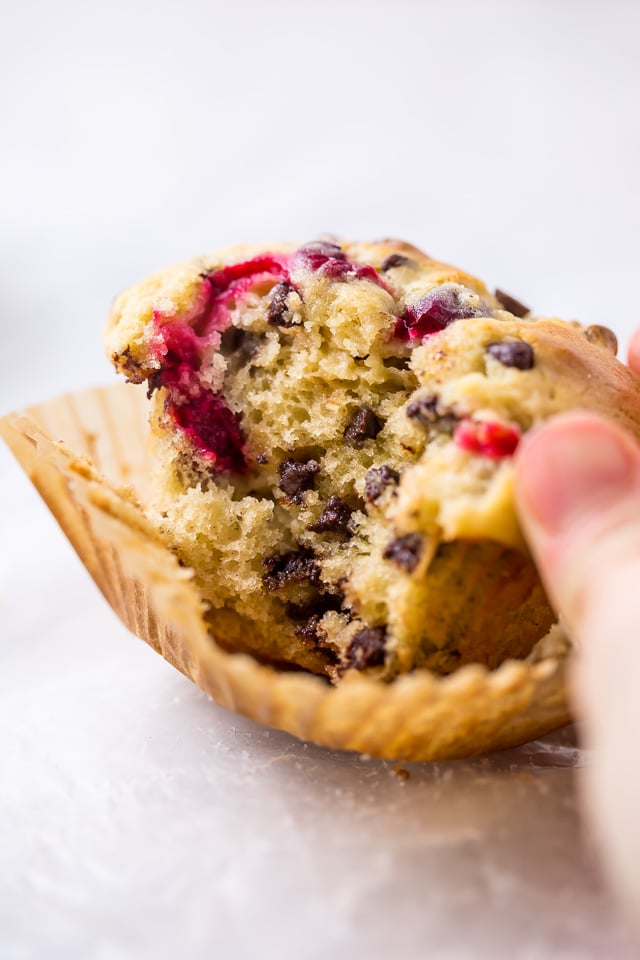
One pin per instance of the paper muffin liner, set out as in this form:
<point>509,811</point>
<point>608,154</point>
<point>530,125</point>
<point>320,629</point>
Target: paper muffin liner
<point>86,455</point>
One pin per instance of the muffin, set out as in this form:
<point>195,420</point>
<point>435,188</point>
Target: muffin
<point>333,428</point>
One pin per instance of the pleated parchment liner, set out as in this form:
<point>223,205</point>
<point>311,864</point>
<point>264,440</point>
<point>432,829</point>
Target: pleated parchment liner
<point>85,453</point>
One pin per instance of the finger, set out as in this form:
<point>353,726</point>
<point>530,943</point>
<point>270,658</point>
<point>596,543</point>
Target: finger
<point>634,352</point>
<point>578,494</point>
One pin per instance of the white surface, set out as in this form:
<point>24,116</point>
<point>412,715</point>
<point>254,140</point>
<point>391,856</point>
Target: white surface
<point>137,819</point>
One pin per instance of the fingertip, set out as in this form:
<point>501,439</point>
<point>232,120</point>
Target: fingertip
<point>634,352</point>
<point>567,465</point>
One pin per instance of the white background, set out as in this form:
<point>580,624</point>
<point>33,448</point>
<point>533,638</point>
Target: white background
<point>137,820</point>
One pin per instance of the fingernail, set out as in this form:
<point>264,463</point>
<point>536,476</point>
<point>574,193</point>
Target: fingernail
<point>572,468</point>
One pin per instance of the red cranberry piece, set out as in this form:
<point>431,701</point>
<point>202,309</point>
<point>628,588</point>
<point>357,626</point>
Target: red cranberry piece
<point>222,279</point>
<point>314,255</point>
<point>487,438</point>
<point>229,284</point>
<point>180,345</point>
<point>329,261</point>
<point>435,311</point>
<point>213,429</point>
<point>338,270</point>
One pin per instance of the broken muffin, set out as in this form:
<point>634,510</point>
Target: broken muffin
<point>333,429</point>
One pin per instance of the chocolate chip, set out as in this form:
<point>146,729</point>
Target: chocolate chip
<point>134,371</point>
<point>296,477</point>
<point>296,566</point>
<point>334,518</point>
<point>367,648</point>
<point>317,607</point>
<point>310,630</point>
<point>279,314</point>
<point>262,458</point>
<point>363,425</point>
<point>377,480</point>
<point>603,337</point>
<point>405,551</point>
<point>428,412</point>
<point>424,409</point>
<point>240,343</point>
<point>511,304</point>
<point>154,382</point>
<point>512,353</point>
<point>309,615</point>
<point>394,260</point>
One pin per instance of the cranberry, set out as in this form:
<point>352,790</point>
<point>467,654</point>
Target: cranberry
<point>221,280</point>
<point>213,429</point>
<point>328,260</point>
<point>315,255</point>
<point>230,284</point>
<point>487,438</point>
<point>435,311</point>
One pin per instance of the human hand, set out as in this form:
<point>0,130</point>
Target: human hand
<point>578,496</point>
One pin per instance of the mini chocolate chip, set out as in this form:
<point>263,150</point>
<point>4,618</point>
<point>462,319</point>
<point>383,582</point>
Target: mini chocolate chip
<point>512,353</point>
<point>424,409</point>
<point>603,337</point>
<point>405,551</point>
<point>296,566</point>
<point>334,518</point>
<point>363,425</point>
<point>262,458</point>
<point>511,304</point>
<point>310,630</point>
<point>240,343</point>
<point>154,382</point>
<point>367,648</point>
<point>279,314</point>
<point>317,607</point>
<point>134,371</point>
<point>428,413</point>
<point>296,477</point>
<point>377,480</point>
<point>394,260</point>
<point>309,615</point>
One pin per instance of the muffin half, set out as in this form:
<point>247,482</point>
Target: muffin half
<point>333,430</point>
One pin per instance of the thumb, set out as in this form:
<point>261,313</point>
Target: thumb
<point>578,496</point>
